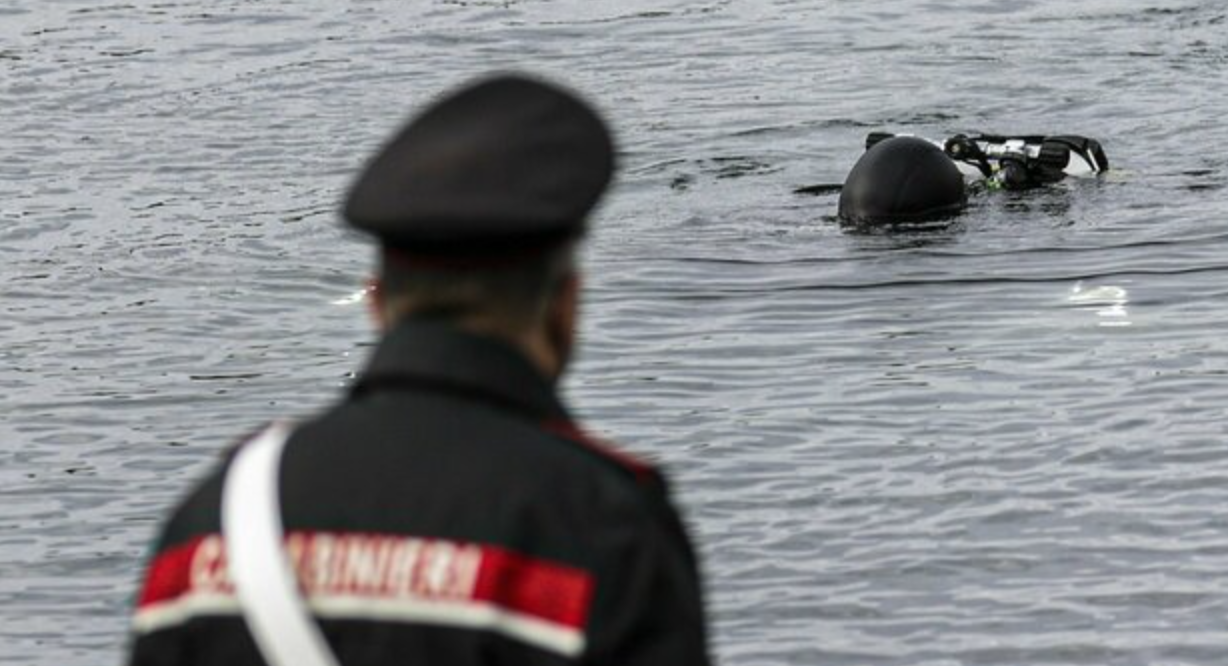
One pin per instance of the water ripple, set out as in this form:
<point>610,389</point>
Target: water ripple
<point>913,448</point>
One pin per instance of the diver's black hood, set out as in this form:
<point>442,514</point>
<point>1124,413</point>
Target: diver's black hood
<point>902,179</point>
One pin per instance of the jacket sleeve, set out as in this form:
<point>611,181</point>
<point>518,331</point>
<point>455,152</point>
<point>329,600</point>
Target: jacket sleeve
<point>160,634</point>
<point>648,608</point>
<point>163,648</point>
<point>153,646</point>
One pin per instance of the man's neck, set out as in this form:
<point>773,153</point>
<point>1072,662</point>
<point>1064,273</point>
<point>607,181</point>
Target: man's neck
<point>533,342</point>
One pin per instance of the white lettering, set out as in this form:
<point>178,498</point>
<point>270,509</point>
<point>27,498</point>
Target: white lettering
<point>465,573</point>
<point>405,559</point>
<point>321,557</point>
<point>358,564</point>
<point>366,563</point>
<point>208,571</point>
<point>438,569</point>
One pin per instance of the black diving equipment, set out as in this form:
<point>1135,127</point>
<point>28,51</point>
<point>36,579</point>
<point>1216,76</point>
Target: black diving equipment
<point>1019,162</point>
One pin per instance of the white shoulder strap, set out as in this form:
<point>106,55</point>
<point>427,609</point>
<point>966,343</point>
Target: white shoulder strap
<point>263,575</point>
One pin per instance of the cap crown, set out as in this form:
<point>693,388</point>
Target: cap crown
<point>505,160</point>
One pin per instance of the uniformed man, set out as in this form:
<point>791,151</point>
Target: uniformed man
<point>448,510</point>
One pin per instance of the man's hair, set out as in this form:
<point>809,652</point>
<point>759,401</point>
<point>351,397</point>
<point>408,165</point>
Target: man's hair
<point>514,295</point>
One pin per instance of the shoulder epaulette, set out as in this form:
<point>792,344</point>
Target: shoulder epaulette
<point>643,471</point>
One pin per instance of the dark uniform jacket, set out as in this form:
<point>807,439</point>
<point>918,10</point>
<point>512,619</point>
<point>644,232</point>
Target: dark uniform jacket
<point>447,512</point>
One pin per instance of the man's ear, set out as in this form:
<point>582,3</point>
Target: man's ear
<point>563,318</point>
<point>375,304</point>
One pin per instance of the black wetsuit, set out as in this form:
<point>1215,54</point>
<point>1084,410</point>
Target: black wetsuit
<point>447,512</point>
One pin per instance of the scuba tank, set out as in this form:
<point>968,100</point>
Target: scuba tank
<point>1019,162</point>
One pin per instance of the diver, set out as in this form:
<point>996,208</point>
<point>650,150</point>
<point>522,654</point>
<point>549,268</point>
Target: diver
<point>903,179</point>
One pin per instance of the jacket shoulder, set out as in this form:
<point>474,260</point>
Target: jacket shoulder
<point>641,471</point>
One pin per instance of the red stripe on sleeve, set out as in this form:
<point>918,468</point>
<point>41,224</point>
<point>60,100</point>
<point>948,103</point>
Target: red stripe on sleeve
<point>169,575</point>
<point>546,590</point>
<point>517,583</point>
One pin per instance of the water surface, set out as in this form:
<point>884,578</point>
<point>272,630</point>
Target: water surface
<point>1000,443</point>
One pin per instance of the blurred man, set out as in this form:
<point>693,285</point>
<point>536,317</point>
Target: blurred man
<point>448,510</point>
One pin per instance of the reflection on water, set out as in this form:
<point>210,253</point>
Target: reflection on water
<point>1108,302</point>
<point>999,442</point>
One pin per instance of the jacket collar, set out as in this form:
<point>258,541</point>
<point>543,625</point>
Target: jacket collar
<point>421,353</point>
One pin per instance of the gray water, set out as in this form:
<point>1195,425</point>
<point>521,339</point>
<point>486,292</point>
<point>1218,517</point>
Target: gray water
<point>1001,443</point>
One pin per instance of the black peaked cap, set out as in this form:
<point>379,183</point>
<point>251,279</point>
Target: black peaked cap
<point>504,163</point>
